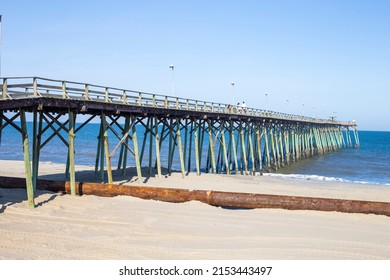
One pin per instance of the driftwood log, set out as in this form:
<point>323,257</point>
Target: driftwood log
<point>214,198</point>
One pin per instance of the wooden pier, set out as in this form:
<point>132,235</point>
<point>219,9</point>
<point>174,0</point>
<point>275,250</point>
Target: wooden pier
<point>204,136</point>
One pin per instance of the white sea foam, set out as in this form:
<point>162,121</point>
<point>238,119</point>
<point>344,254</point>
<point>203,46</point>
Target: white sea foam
<point>319,178</point>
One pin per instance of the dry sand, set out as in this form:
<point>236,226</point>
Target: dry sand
<point>91,227</point>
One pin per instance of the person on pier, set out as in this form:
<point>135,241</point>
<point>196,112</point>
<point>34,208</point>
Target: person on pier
<point>238,108</point>
<point>243,107</point>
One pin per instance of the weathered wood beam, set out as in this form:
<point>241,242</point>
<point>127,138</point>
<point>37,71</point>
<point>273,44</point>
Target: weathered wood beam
<point>215,198</point>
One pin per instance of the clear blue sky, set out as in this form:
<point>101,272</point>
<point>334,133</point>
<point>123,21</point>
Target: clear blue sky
<point>330,55</point>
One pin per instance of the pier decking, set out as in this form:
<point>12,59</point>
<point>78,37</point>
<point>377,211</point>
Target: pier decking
<point>206,136</point>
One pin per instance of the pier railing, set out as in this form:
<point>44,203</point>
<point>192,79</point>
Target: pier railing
<point>32,87</point>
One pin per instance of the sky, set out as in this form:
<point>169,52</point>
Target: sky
<point>325,57</point>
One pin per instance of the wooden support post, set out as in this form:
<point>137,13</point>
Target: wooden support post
<point>190,147</point>
<point>316,147</point>
<point>275,160</point>
<point>185,140</point>
<point>281,148</point>
<point>125,144</point>
<point>35,86</point>
<point>307,142</point>
<point>101,139</point>
<point>98,150</point>
<point>293,144</point>
<point>343,139</point>
<point>107,149</point>
<point>27,166</point>
<point>211,143</point>
<point>196,140</point>
<point>233,146</point>
<point>4,95</point>
<point>229,147</point>
<point>161,138</point>
<point>35,147</point>
<point>349,138</point>
<point>243,149</point>
<point>144,140</point>
<point>136,153</point>
<point>267,158</point>
<point>258,136</point>
<point>311,143</point>
<point>87,92</point>
<point>224,148</point>
<point>220,153</point>
<point>337,136</point>
<point>71,153</point>
<point>150,145</point>
<point>180,146</point>
<point>64,93</point>
<point>356,136</point>
<point>287,143</point>
<point>157,147</point>
<point>121,157</point>
<point>252,151</point>
<point>171,149</point>
<point>299,143</point>
<point>208,164</point>
<point>202,133</point>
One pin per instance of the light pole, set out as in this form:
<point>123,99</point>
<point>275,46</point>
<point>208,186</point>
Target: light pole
<point>173,79</point>
<point>266,100</point>
<point>303,109</point>
<point>234,98</point>
<point>288,110</point>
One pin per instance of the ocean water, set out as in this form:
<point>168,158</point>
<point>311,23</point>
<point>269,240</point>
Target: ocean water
<point>368,164</point>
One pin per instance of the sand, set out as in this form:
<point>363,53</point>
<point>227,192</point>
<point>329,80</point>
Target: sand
<point>91,227</point>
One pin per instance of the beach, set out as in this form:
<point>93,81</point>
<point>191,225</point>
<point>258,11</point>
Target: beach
<point>92,227</point>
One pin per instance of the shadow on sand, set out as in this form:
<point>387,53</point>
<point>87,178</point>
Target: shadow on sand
<point>13,194</point>
<point>119,176</point>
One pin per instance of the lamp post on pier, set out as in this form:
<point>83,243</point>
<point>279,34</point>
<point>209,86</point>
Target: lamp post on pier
<point>172,67</point>
<point>234,98</point>
<point>288,109</point>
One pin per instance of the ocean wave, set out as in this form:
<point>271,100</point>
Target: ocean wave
<point>321,178</point>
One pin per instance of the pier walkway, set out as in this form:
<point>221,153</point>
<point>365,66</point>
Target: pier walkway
<point>199,136</point>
